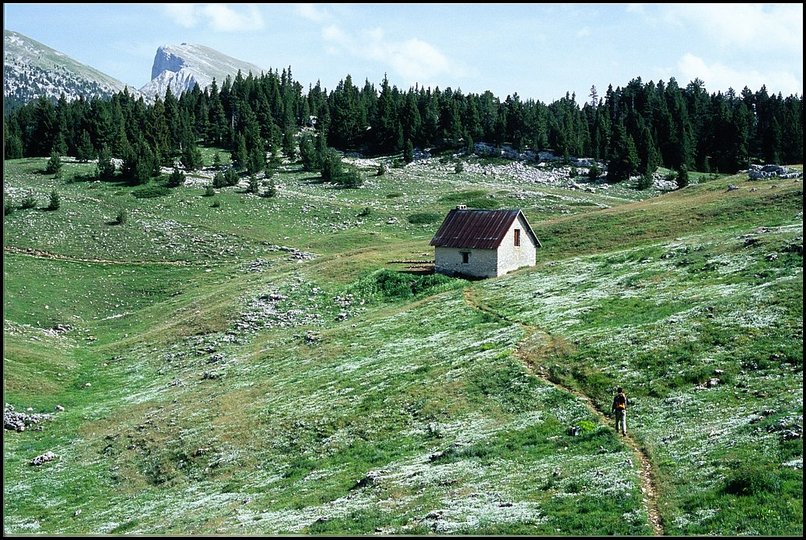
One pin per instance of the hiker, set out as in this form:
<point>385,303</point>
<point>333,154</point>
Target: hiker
<point>620,410</point>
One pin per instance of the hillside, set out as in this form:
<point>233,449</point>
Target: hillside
<point>234,364</point>
<point>32,70</point>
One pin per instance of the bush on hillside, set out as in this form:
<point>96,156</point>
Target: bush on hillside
<point>121,217</point>
<point>150,192</point>
<point>752,479</point>
<point>388,285</point>
<point>421,218</point>
<point>28,202</point>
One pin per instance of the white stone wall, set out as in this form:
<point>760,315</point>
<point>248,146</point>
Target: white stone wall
<point>511,256</point>
<point>481,262</point>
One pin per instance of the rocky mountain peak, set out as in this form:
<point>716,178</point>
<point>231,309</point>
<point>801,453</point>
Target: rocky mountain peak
<point>180,67</point>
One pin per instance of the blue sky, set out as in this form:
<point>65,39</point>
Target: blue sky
<point>539,51</point>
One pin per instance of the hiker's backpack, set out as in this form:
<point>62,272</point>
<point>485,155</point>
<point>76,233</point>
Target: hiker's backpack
<point>620,401</point>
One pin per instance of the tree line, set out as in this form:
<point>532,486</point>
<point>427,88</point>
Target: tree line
<point>634,129</point>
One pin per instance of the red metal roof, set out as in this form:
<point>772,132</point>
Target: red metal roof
<point>477,229</point>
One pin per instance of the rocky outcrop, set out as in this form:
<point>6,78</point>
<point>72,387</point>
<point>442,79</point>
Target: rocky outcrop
<point>180,67</point>
<point>758,172</point>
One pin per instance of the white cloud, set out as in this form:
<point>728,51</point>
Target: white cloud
<point>311,12</point>
<point>223,18</point>
<point>745,26</point>
<point>217,17</point>
<point>719,77</point>
<point>182,14</point>
<point>413,59</point>
<point>583,32</point>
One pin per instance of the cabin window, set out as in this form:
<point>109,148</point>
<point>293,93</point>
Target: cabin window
<point>517,237</point>
<point>465,257</point>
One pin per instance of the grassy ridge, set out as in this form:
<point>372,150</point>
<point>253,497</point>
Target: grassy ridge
<point>243,391</point>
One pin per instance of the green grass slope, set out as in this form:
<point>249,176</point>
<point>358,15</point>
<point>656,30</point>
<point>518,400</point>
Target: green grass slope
<point>254,367</point>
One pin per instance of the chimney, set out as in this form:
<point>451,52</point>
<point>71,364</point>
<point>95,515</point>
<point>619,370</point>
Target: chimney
<point>461,207</point>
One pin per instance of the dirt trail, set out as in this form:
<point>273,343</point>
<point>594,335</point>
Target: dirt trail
<point>525,351</point>
<point>41,254</point>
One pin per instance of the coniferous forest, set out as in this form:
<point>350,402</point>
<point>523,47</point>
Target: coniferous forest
<point>633,129</point>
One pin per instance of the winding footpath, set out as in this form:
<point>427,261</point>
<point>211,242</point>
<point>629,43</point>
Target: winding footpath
<point>646,471</point>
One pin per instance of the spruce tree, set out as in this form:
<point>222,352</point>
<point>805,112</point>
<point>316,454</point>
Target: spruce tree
<point>240,157</point>
<point>408,152</point>
<point>84,150</point>
<point>191,157</point>
<point>177,178</point>
<point>55,201</point>
<point>350,178</point>
<point>253,184</point>
<point>54,164</point>
<point>271,189</point>
<point>332,168</point>
<point>682,177</point>
<point>289,145</point>
<point>106,167</point>
<point>309,155</point>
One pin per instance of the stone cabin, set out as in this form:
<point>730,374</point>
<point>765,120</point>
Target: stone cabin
<point>484,243</point>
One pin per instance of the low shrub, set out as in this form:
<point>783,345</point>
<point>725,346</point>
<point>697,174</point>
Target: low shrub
<point>150,192</point>
<point>389,285</point>
<point>752,479</point>
<point>421,218</point>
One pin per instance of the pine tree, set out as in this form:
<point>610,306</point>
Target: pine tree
<point>55,201</point>
<point>271,189</point>
<point>12,139</point>
<point>106,167</point>
<point>191,157</point>
<point>682,177</point>
<point>645,181</point>
<point>623,155</point>
<point>309,155</point>
<point>253,184</point>
<point>408,152</point>
<point>350,178</point>
<point>289,145</point>
<point>84,150</point>
<point>240,156</point>
<point>54,164</point>
<point>332,168</point>
<point>219,180</point>
<point>177,178</point>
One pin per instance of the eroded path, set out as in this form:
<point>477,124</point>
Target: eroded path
<point>528,350</point>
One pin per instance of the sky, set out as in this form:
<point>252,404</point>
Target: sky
<point>537,51</point>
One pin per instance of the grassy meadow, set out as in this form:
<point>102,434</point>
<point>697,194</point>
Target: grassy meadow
<point>235,364</point>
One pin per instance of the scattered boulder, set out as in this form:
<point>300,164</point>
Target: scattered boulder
<point>369,480</point>
<point>18,421</point>
<point>759,172</point>
<point>44,458</point>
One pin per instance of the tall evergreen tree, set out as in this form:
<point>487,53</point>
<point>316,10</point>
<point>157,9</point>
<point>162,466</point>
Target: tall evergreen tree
<point>84,150</point>
<point>623,155</point>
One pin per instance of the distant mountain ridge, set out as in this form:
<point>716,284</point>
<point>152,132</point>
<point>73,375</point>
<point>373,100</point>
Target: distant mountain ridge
<point>32,70</point>
<point>182,66</point>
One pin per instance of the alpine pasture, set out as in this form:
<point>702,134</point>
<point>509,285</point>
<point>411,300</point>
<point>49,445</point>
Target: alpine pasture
<point>237,364</point>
